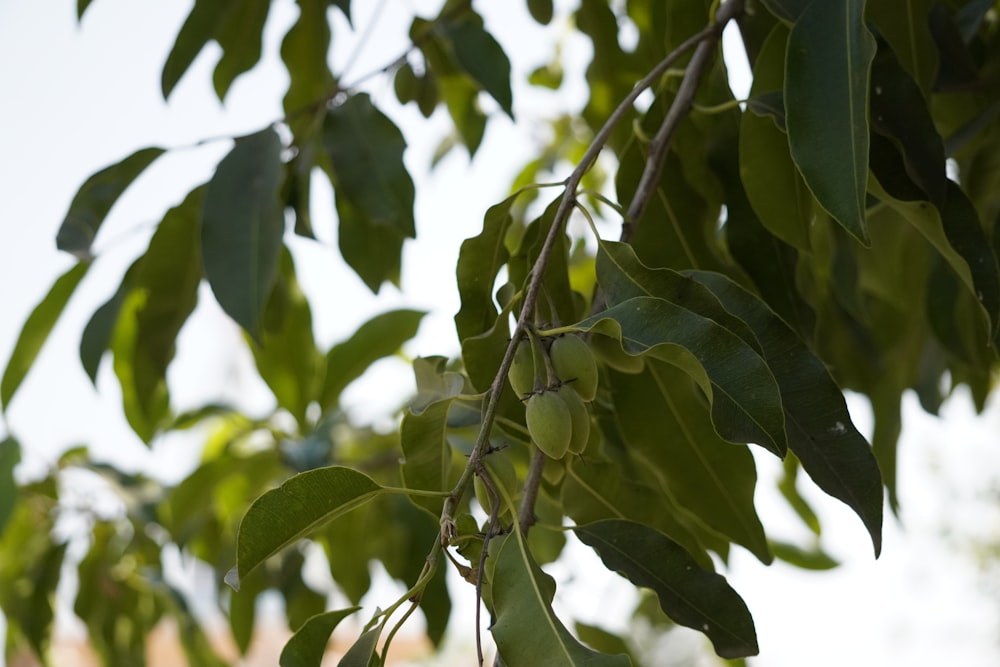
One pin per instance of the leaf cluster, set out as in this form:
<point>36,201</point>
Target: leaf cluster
<point>837,230</point>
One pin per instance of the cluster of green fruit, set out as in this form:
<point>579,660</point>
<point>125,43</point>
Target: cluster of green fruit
<point>556,381</point>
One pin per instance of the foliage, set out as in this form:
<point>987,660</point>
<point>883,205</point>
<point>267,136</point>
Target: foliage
<point>838,230</point>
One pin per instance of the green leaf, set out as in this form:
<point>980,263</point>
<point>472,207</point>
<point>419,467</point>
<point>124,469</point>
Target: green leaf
<point>363,650</point>
<point>36,330</point>
<point>690,595</point>
<point>286,357</point>
<point>820,430</point>
<point>304,50</point>
<point>483,58</point>
<point>541,10</point>
<point>479,260</point>
<point>905,25</point>
<point>199,27</point>
<point>799,557</point>
<point>242,227</point>
<point>773,185</point>
<point>900,113</point>
<point>301,504</point>
<point>744,394</point>
<point>957,235</point>
<point>379,337</point>
<point>374,191</point>
<point>81,7</point>
<point>826,101</point>
<point>427,456</point>
<point>457,89</point>
<point>526,630</point>
<point>10,456</point>
<point>307,646</point>
<point>665,425</point>
<point>787,10</point>
<point>163,293</point>
<point>94,199</point>
<point>240,35</point>
<point>236,26</point>
<point>601,640</point>
<point>100,328</point>
<point>596,489</point>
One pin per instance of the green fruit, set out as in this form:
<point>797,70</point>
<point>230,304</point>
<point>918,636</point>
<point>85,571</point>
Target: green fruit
<point>610,352</point>
<point>541,10</point>
<point>406,84</point>
<point>549,423</point>
<point>574,363</point>
<point>522,370</point>
<point>578,416</point>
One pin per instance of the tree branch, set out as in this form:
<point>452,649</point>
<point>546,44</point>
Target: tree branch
<point>681,106</point>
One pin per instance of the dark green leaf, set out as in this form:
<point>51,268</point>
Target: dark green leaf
<point>483,58</point>
<point>374,190</point>
<point>900,113</point>
<point>81,7</point>
<point>743,391</point>
<point>307,646</point>
<point>595,490</point>
<point>199,27</point>
<point>690,595</point>
<point>905,25</point>
<point>242,227</point>
<point>36,330</point>
<point>773,185</point>
<point>787,10</point>
<point>300,505</point>
<point>286,357</point>
<point>479,261</point>
<point>820,430</point>
<point>10,456</point>
<point>665,425</point>
<point>379,337</point>
<point>826,101</point>
<point>94,199</point>
<point>527,631</point>
<point>363,650</point>
<point>239,33</point>
<point>541,10</point>
<point>304,51</point>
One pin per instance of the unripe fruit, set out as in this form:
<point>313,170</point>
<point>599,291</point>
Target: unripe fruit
<point>574,363</point>
<point>549,423</point>
<point>522,370</point>
<point>406,84</point>
<point>541,10</point>
<point>578,416</point>
<point>610,351</point>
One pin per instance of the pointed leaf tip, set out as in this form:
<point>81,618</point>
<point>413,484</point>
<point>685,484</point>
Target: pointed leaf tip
<point>827,70</point>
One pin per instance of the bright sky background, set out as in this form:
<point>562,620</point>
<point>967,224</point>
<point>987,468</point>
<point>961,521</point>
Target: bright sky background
<point>76,98</point>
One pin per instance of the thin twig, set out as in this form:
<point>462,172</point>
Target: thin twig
<point>679,108</point>
<point>526,515</point>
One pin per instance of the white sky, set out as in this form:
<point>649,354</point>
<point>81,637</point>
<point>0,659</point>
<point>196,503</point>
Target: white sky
<point>76,98</point>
